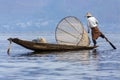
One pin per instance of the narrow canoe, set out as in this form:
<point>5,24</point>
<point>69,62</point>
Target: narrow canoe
<point>38,47</point>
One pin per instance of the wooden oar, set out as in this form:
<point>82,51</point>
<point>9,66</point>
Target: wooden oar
<point>109,42</point>
<point>9,47</point>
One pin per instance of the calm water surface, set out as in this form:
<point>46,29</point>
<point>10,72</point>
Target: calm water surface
<point>102,63</point>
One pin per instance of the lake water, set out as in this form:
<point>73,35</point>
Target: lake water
<point>102,63</point>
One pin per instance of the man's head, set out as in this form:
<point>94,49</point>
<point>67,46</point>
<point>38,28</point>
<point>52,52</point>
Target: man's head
<point>88,14</point>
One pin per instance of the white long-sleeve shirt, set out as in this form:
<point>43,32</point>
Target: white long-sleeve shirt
<point>92,22</point>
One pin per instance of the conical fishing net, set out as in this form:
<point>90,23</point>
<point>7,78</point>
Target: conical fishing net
<point>70,31</point>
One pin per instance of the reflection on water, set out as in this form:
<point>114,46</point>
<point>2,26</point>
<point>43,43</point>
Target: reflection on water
<point>82,56</point>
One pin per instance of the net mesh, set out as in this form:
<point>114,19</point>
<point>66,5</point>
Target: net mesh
<point>70,31</point>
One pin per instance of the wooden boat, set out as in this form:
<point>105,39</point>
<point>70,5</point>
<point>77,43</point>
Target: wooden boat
<point>38,47</point>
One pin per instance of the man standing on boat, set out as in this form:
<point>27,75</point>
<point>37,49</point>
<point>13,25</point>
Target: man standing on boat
<point>92,24</point>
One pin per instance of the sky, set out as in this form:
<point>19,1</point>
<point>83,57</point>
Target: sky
<point>44,15</point>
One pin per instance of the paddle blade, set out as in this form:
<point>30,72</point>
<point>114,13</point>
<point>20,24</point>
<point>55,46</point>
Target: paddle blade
<point>109,41</point>
<point>112,45</point>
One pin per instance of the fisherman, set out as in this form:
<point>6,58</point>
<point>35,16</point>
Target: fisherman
<point>92,24</point>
